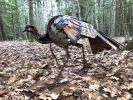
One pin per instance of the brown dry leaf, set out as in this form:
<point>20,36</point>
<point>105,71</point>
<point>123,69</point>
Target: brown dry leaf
<point>126,96</point>
<point>130,85</point>
<point>114,90</point>
<point>94,87</point>
<point>3,91</point>
<point>12,79</point>
<point>48,96</point>
<point>32,67</point>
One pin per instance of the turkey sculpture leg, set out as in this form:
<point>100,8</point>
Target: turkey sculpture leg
<point>83,53</point>
<point>52,52</point>
<point>84,60</point>
<point>67,52</point>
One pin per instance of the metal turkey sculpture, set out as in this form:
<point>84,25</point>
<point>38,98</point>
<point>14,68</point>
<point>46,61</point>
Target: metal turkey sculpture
<point>67,30</point>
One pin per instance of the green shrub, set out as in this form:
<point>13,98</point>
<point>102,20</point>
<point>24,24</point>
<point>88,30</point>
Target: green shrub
<point>129,45</point>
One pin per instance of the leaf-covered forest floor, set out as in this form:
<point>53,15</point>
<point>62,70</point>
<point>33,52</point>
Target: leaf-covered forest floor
<point>27,71</point>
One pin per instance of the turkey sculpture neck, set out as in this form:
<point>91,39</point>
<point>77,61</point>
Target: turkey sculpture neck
<point>41,38</point>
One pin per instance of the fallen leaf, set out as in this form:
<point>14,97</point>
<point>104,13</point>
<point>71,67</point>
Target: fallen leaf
<point>12,79</point>
<point>3,91</point>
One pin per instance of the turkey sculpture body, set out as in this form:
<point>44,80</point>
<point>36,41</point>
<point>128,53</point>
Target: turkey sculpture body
<point>67,30</point>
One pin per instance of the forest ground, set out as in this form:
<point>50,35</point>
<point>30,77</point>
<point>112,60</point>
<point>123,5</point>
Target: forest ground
<point>28,70</point>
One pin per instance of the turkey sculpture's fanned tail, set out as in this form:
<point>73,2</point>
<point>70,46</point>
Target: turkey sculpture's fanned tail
<point>103,42</point>
<point>76,29</point>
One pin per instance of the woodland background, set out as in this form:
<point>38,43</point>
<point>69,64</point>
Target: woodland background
<point>112,17</point>
<point>28,70</point>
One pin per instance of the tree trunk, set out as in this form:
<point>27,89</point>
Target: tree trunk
<point>2,31</point>
<point>4,36</point>
<point>121,26</point>
<point>30,2</point>
<point>113,17</point>
<point>17,21</point>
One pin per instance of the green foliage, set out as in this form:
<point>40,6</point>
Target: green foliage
<point>87,2</point>
<point>68,11</point>
<point>129,45</point>
<point>8,6</point>
<point>57,0</point>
